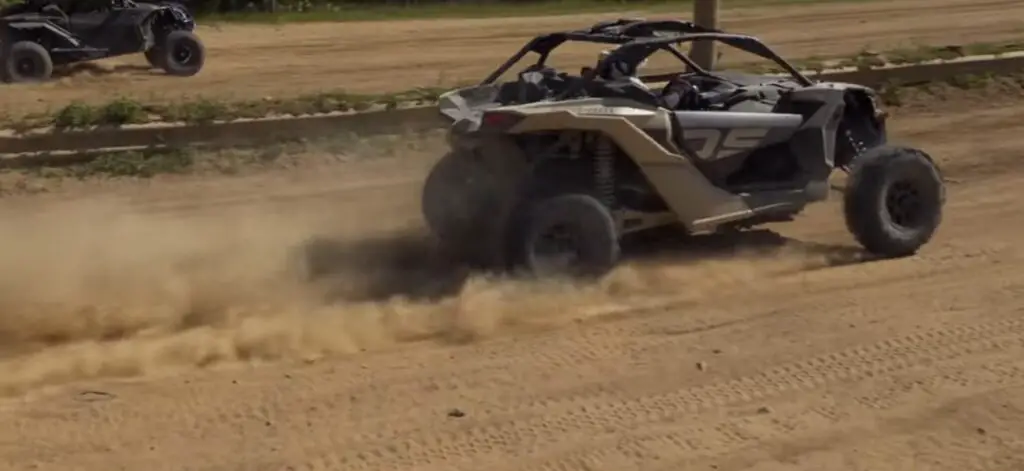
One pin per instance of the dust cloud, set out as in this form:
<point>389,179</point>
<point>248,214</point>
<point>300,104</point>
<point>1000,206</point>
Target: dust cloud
<point>99,290</point>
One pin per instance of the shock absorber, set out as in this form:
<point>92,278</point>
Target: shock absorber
<point>849,120</point>
<point>604,170</point>
<point>856,145</point>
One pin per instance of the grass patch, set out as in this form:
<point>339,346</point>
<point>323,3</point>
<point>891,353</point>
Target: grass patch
<point>305,12</point>
<point>40,173</point>
<point>45,172</point>
<point>139,164</point>
<point>121,111</point>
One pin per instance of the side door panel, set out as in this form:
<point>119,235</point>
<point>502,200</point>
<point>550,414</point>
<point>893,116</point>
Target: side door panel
<point>113,30</point>
<point>719,142</point>
<point>88,25</point>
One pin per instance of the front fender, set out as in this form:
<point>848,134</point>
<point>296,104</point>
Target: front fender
<point>182,17</point>
<point>863,125</point>
<point>170,17</point>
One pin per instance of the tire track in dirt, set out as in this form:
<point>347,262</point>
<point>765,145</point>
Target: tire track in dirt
<point>816,421</point>
<point>597,418</point>
<point>667,444</point>
<point>661,337</point>
<point>936,409</point>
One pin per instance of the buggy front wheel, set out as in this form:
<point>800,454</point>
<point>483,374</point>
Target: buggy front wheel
<point>180,53</point>
<point>893,201</point>
<point>26,61</point>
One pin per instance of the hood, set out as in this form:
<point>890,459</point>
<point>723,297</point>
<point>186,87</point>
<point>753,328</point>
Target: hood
<point>468,102</point>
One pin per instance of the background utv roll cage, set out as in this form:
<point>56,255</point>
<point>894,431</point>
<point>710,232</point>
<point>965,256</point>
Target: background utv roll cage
<point>636,40</point>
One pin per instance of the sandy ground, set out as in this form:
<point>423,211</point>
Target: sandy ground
<point>770,351</point>
<point>255,62</point>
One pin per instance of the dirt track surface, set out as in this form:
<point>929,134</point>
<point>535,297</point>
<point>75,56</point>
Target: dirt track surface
<point>760,353</point>
<point>254,62</point>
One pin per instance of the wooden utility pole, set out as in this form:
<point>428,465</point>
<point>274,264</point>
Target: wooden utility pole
<point>705,13</point>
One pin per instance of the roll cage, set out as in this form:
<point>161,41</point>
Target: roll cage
<point>638,39</point>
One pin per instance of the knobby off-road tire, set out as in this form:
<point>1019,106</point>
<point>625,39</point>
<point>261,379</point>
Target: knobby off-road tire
<point>893,200</point>
<point>465,202</point>
<point>26,61</point>
<point>567,235</point>
<point>180,53</point>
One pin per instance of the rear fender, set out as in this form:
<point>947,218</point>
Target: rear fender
<point>175,16</point>
<point>695,201</point>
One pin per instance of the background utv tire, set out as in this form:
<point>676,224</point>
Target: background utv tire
<point>893,200</point>
<point>588,235</point>
<point>181,53</point>
<point>26,61</point>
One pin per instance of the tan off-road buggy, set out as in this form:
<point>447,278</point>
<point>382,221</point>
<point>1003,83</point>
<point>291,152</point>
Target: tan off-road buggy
<point>548,172</point>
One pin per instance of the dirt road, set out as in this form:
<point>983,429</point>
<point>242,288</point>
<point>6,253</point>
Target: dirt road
<point>255,62</point>
<point>761,353</point>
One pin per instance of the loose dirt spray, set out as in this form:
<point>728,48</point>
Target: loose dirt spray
<point>97,290</point>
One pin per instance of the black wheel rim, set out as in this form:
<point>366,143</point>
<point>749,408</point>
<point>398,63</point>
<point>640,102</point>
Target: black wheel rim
<point>182,54</point>
<point>25,66</point>
<point>904,204</point>
<point>556,249</point>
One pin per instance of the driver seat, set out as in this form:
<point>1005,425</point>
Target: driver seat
<point>531,83</point>
<point>679,95</point>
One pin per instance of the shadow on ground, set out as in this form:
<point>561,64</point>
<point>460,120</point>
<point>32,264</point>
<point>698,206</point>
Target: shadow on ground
<point>407,264</point>
<point>94,69</point>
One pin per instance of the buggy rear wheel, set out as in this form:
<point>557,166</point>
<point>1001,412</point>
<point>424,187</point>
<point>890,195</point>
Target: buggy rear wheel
<point>460,206</point>
<point>446,201</point>
<point>26,61</point>
<point>893,200</point>
<point>568,235</point>
<point>466,201</point>
<point>180,53</point>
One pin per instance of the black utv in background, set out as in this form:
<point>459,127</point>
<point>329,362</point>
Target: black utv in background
<point>37,34</point>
